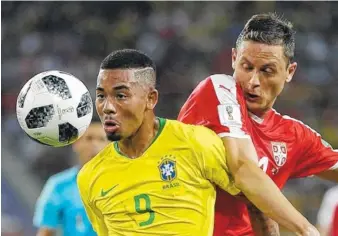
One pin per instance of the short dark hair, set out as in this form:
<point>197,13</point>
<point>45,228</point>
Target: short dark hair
<point>127,59</point>
<point>269,28</point>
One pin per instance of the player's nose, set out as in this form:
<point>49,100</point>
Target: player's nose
<point>254,80</point>
<point>109,107</point>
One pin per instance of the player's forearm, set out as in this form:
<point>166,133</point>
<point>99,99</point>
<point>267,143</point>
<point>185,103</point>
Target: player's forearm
<point>261,224</point>
<point>260,189</point>
<point>264,194</point>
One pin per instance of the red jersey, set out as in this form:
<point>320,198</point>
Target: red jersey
<point>286,147</point>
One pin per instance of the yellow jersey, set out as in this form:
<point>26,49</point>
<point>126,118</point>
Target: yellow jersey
<point>169,190</point>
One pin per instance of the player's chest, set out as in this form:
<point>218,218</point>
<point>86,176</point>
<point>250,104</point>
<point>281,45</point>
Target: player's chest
<point>277,154</point>
<point>122,186</point>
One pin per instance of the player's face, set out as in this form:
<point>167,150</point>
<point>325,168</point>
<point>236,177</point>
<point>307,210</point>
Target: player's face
<point>262,71</point>
<point>121,103</point>
<point>91,143</point>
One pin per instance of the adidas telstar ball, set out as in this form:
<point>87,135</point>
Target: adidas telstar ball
<point>54,108</point>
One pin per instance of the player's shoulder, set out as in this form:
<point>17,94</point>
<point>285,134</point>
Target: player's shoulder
<point>218,80</point>
<point>222,79</point>
<point>96,162</point>
<point>295,125</point>
<point>195,134</point>
<point>220,86</point>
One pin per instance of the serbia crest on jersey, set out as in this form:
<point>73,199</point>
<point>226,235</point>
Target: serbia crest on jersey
<point>279,151</point>
<point>286,147</point>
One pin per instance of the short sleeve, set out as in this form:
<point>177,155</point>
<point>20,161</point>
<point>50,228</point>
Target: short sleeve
<point>94,216</point>
<point>48,207</point>
<point>211,154</point>
<point>218,104</point>
<point>317,155</point>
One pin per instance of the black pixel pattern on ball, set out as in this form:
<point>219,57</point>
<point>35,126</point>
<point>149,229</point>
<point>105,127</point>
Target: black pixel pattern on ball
<point>57,86</point>
<point>85,105</point>
<point>67,133</point>
<point>39,116</point>
<point>22,95</point>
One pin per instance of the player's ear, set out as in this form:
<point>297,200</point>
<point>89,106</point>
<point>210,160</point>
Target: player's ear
<point>233,57</point>
<point>291,71</point>
<point>152,99</point>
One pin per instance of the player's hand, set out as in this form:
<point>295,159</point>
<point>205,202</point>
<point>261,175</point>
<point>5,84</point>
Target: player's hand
<point>312,231</point>
<point>309,230</point>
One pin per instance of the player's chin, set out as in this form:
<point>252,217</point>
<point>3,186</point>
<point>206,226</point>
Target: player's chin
<point>113,136</point>
<point>253,106</point>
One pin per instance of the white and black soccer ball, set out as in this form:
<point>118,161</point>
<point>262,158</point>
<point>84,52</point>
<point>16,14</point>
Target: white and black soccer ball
<point>54,108</point>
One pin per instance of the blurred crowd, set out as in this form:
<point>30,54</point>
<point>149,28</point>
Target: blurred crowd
<point>187,40</point>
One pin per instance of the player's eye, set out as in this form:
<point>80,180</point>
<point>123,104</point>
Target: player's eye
<point>99,96</point>
<point>268,70</point>
<point>246,66</point>
<point>121,96</point>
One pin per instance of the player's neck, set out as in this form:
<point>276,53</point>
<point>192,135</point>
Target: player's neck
<point>137,144</point>
<point>260,113</point>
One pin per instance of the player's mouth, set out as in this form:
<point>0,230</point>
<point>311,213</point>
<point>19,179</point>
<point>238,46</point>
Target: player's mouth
<point>251,97</point>
<point>110,126</point>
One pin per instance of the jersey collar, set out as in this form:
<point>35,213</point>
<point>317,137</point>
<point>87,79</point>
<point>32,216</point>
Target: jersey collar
<point>259,120</point>
<point>162,123</point>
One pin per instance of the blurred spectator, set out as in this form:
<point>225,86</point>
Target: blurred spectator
<point>10,226</point>
<point>334,226</point>
<point>325,220</point>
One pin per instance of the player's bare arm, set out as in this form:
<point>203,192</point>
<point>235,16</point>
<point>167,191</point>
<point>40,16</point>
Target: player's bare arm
<point>260,189</point>
<point>261,224</point>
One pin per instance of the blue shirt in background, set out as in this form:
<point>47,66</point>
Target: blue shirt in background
<point>60,205</point>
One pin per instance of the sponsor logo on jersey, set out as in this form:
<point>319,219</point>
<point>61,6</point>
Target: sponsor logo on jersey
<point>230,110</point>
<point>105,192</point>
<point>167,168</point>
<point>279,152</point>
<point>225,88</point>
<point>230,115</point>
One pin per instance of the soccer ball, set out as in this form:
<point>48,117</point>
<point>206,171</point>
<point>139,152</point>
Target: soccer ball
<point>54,108</point>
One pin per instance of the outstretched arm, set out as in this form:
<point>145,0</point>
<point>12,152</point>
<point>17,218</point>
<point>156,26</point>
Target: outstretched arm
<point>260,189</point>
<point>261,224</point>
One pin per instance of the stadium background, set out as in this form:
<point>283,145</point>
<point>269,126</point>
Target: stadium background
<point>188,41</point>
